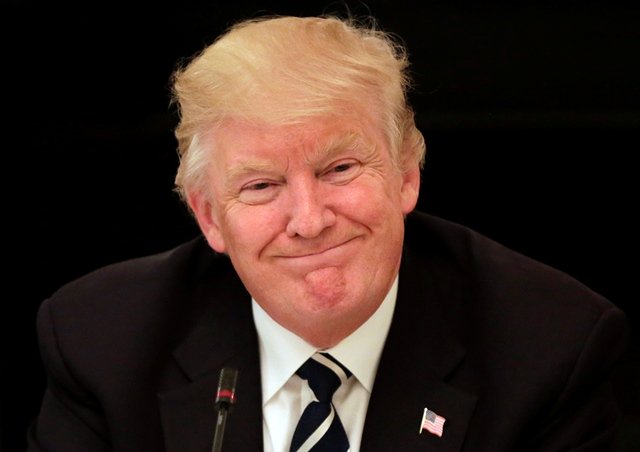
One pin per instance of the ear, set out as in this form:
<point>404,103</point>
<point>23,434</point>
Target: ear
<point>207,216</point>
<point>410,187</point>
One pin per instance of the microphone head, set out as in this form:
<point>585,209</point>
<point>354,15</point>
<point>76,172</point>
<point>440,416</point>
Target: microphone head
<point>226,394</point>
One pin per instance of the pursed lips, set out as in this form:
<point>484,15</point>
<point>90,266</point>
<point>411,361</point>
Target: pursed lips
<point>305,252</point>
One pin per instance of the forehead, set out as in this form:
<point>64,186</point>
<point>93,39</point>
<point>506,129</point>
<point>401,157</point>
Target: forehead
<point>237,139</point>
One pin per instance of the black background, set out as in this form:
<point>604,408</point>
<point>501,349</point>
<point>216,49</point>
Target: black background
<point>530,110</point>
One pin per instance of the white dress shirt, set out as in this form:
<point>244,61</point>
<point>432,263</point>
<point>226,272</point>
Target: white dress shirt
<point>285,395</point>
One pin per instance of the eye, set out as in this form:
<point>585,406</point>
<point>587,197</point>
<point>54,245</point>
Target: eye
<point>343,167</point>
<point>258,192</point>
<point>342,171</point>
<point>258,186</point>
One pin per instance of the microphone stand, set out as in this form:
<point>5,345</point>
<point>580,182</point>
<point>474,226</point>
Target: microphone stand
<point>219,432</point>
<point>225,397</point>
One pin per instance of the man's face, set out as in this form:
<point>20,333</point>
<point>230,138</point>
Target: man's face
<point>312,217</point>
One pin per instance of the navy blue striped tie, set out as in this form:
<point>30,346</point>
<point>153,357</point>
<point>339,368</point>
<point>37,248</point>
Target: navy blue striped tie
<point>319,428</point>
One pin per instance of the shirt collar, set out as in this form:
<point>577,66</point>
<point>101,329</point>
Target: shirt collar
<point>282,352</point>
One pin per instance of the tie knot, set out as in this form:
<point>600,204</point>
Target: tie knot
<point>324,374</point>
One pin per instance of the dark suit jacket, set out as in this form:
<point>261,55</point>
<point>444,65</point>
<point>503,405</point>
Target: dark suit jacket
<point>515,355</point>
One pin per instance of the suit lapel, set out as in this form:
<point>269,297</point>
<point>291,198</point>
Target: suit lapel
<point>419,356</point>
<point>224,335</point>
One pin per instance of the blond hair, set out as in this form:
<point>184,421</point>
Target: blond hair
<point>283,70</point>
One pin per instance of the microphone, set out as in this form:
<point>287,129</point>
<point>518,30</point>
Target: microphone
<point>225,398</point>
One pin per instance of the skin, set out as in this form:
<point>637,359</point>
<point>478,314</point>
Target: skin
<point>312,217</point>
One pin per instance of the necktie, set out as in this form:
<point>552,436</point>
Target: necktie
<point>319,428</point>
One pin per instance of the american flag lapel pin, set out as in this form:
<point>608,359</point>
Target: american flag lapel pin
<point>432,423</point>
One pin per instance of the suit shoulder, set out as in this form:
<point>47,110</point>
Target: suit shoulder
<point>501,278</point>
<point>146,284</point>
<point>160,267</point>
<point>510,310</point>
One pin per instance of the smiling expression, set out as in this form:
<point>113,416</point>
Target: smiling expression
<point>312,217</point>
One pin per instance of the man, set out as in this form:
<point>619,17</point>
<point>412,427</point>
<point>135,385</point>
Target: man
<point>354,323</point>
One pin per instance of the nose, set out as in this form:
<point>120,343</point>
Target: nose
<point>309,212</point>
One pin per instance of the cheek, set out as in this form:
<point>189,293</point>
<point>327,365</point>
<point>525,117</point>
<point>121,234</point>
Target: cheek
<point>250,228</point>
<point>373,200</point>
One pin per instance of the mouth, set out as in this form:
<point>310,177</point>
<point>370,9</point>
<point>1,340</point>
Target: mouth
<point>327,255</point>
<point>318,253</point>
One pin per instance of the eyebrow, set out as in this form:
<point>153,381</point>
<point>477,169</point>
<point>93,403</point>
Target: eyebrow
<point>247,167</point>
<point>326,150</point>
<point>335,145</point>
